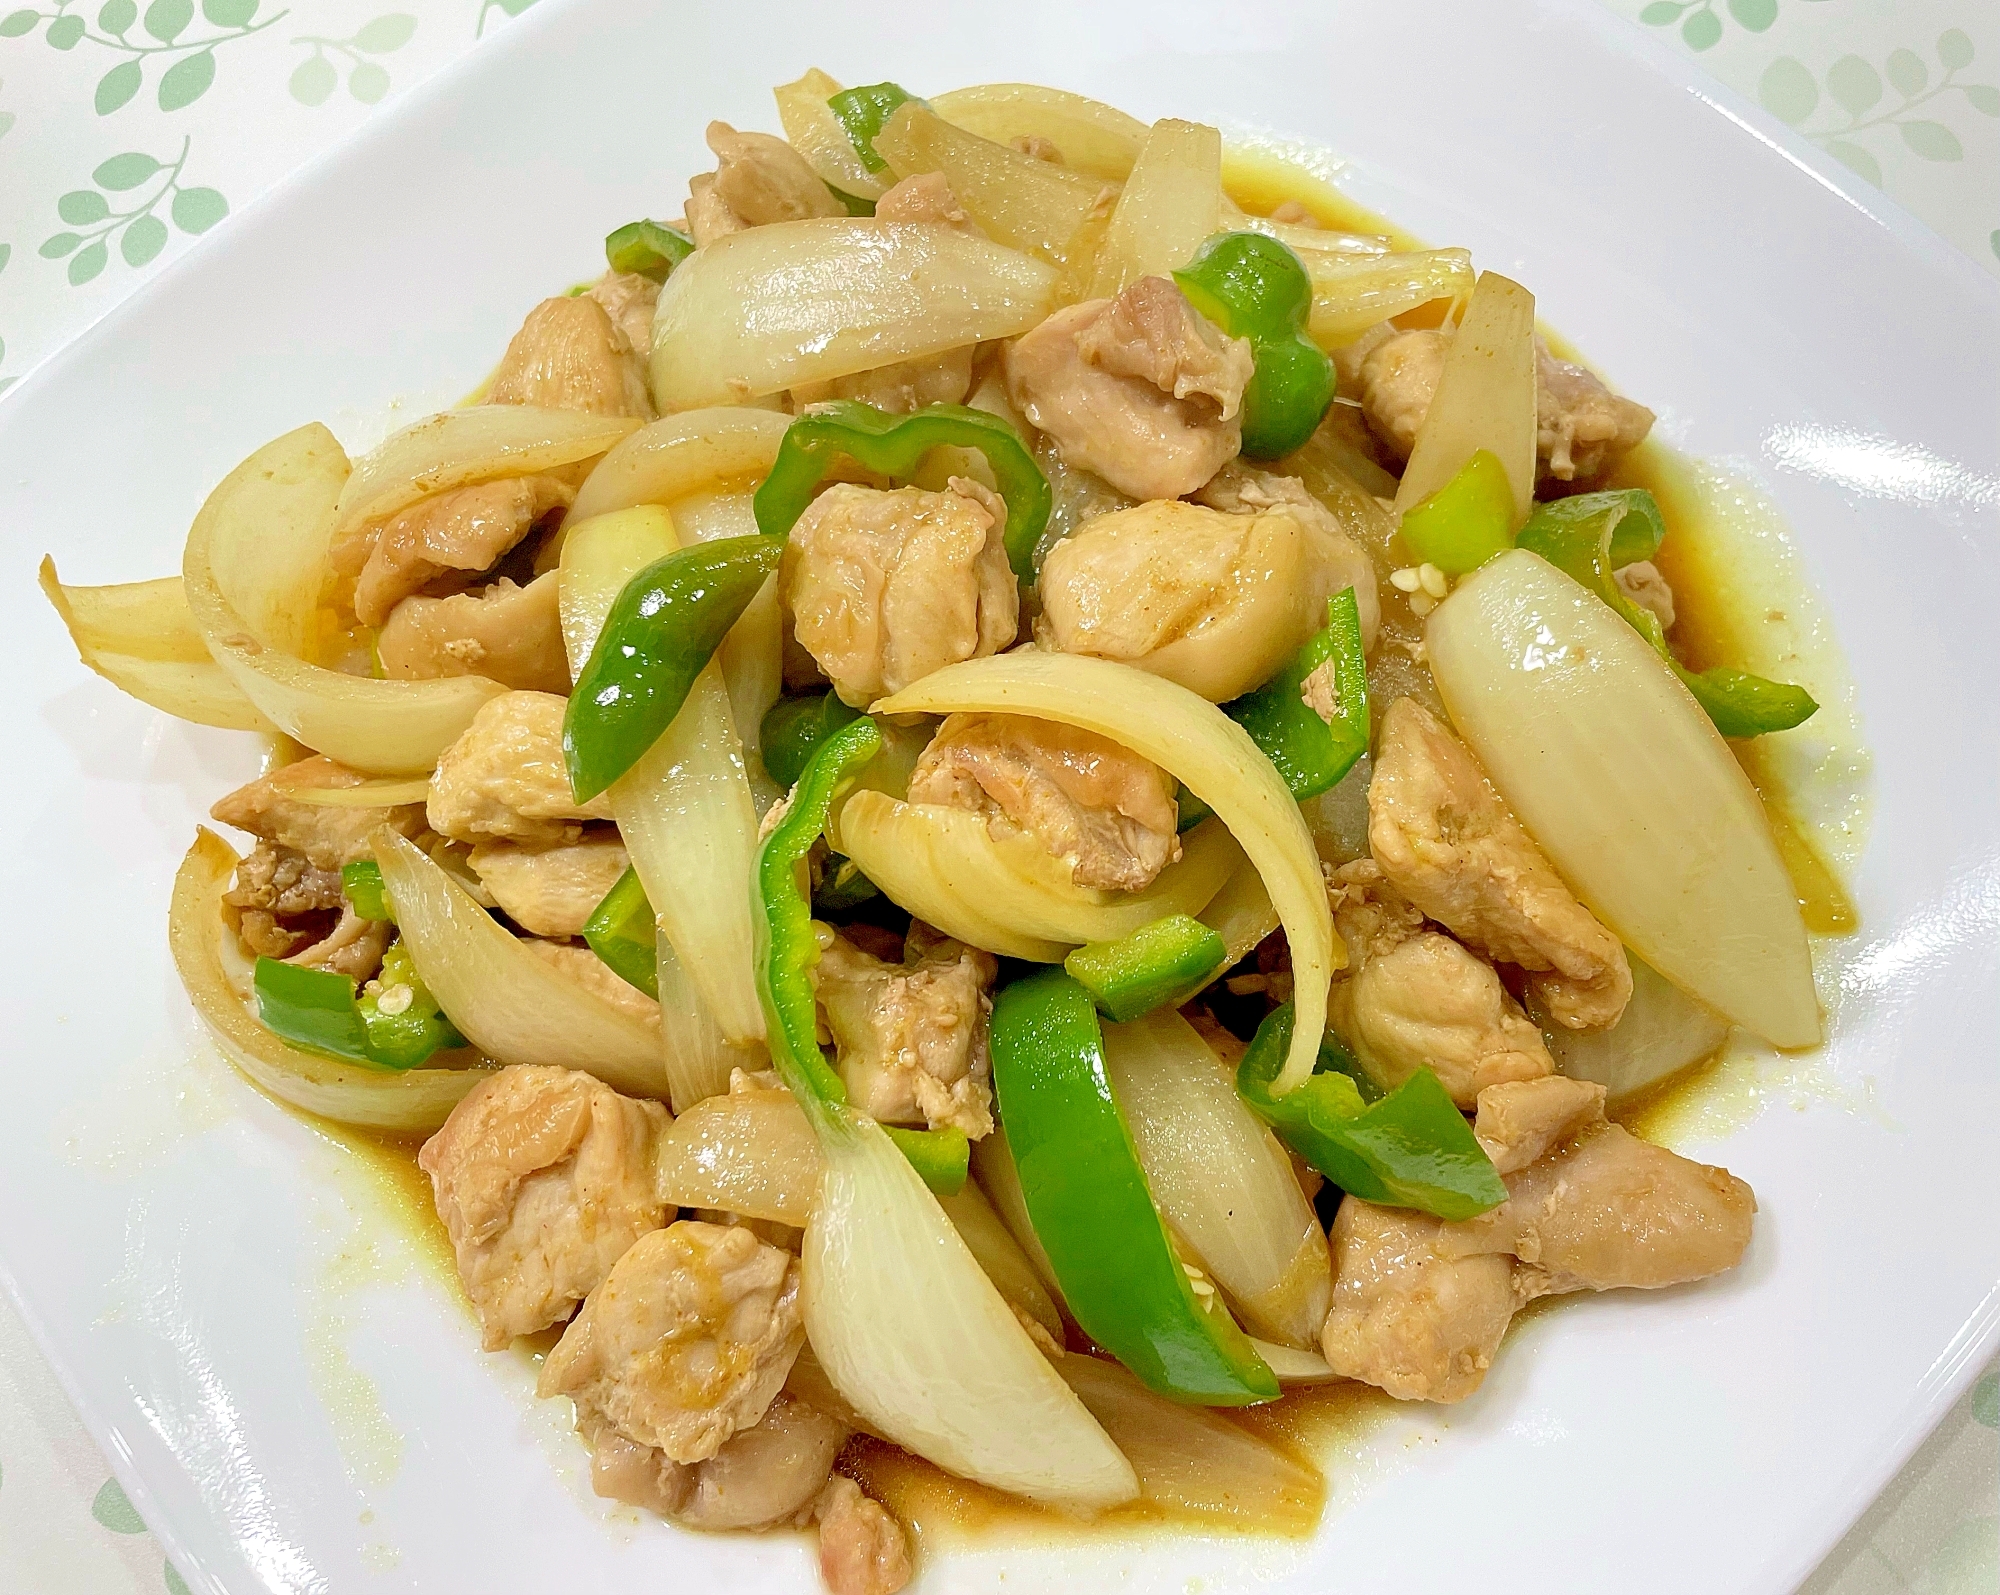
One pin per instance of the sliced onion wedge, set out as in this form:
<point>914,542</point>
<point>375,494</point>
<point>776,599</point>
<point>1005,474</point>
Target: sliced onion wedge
<point>1661,1032</point>
<point>1213,757</point>
<point>1293,1366</point>
<point>748,1152</point>
<point>1191,1459</point>
<point>1171,202</point>
<point>479,443</point>
<point>1617,773</point>
<point>993,1165</point>
<point>1094,138</point>
<point>668,459</point>
<point>216,975</point>
<point>507,1002</point>
<point>1220,1178</point>
<point>760,311</point>
<point>1008,893</point>
<point>1000,1255</point>
<point>815,132</point>
<point>252,572</point>
<point>913,1333</point>
<point>1485,398</point>
<point>140,637</point>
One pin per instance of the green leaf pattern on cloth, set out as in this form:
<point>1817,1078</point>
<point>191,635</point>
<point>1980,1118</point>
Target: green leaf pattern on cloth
<point>169,105</point>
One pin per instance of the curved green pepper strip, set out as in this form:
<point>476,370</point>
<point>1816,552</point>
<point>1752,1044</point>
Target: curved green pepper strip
<point>1284,716</point>
<point>894,446</point>
<point>1093,1211</point>
<point>361,885</point>
<point>942,1158</point>
<point>863,112</point>
<point>1581,546</point>
<point>1467,521</point>
<point>1411,1148</point>
<point>1636,531</point>
<point>318,1010</point>
<point>651,249</point>
<point>1252,286</point>
<point>794,726</point>
<point>624,933</point>
<point>1158,966</point>
<point>664,626</point>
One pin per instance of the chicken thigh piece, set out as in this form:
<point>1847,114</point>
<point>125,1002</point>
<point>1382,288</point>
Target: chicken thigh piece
<point>505,779</point>
<point>572,354</point>
<point>543,1177</point>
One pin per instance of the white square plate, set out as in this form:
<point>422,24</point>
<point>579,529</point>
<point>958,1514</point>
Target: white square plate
<point>295,1406</point>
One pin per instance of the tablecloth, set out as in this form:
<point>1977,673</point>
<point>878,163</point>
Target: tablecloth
<point>126,132</point>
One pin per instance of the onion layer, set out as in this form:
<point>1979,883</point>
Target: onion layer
<point>1485,399</point>
<point>252,572</point>
<point>1000,1255</point>
<point>475,444</point>
<point>815,132</point>
<point>1008,893</point>
<point>1213,757</point>
<point>913,1333</point>
<point>1220,1178</point>
<point>681,454</point>
<point>1353,291</point>
<point>1171,203</point>
<point>1190,1459</point>
<point>993,1166</point>
<point>506,1001</point>
<point>1619,775</point>
<point>748,1152</point>
<point>808,301</point>
<point>140,637</point>
<point>1661,1032</point>
<point>1096,139</point>
<point>410,1102</point>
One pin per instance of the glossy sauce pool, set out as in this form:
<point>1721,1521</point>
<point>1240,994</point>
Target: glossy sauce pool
<point>1742,598</point>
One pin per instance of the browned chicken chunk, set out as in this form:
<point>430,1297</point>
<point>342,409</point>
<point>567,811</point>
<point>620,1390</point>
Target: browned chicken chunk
<point>761,1477</point>
<point>508,634</point>
<point>1642,582</point>
<point>885,587</point>
<point>686,1342</point>
<point>1140,389</point>
<point>910,1038</point>
<point>551,891</point>
<point>1582,426</point>
<point>1413,998</point>
<point>543,1178</point>
<point>1100,808</point>
<point>629,300</point>
<point>572,354</point>
<point>862,1550</point>
<point>505,779</point>
<point>1446,841</point>
<point>757,180</point>
<point>327,836</point>
<point>466,530</point>
<point>1339,562</point>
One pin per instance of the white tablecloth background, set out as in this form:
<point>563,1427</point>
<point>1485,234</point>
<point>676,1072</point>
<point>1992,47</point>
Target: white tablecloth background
<point>129,126</point>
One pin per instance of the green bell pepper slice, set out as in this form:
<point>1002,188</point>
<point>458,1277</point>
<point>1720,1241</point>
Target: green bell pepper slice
<point>361,885</point>
<point>1411,1148</point>
<point>1581,546</point>
<point>664,626</point>
<point>1311,754</point>
<point>1158,966</point>
<point>1252,286</point>
<point>794,726</point>
<point>318,1010</point>
<point>1093,1211</point>
<point>1637,530</point>
<point>842,886</point>
<point>787,947</point>
<point>863,112</point>
<point>1467,521</point>
<point>624,933</point>
<point>894,446</point>
<point>649,248</point>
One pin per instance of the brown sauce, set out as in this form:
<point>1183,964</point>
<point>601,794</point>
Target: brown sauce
<point>1319,1425</point>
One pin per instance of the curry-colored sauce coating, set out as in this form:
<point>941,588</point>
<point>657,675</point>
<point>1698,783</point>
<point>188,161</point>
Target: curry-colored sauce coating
<point>1316,1425</point>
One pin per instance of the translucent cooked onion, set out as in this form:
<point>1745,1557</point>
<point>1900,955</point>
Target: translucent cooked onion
<point>1220,1178</point>
<point>1211,755</point>
<point>748,1152</point>
<point>1352,291</point>
<point>999,1254</point>
<point>1661,1032</point>
<point>681,454</point>
<point>380,793</point>
<point>1008,893</point>
<point>684,809</point>
<point>913,1333</point>
<point>1096,139</point>
<point>1241,913</point>
<point>815,132</point>
<point>1293,1366</point>
<point>140,637</point>
<point>407,1102</point>
<point>1485,398</point>
<point>1171,203</point>
<point>760,311</point>
<point>993,1167</point>
<point>699,1056</point>
<point>252,573</point>
<point>478,443</point>
<point>1619,775</point>
<point>1190,1459</point>
<point>510,1004</point>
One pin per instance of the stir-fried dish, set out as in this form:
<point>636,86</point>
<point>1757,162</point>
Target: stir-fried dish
<point>986,799</point>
